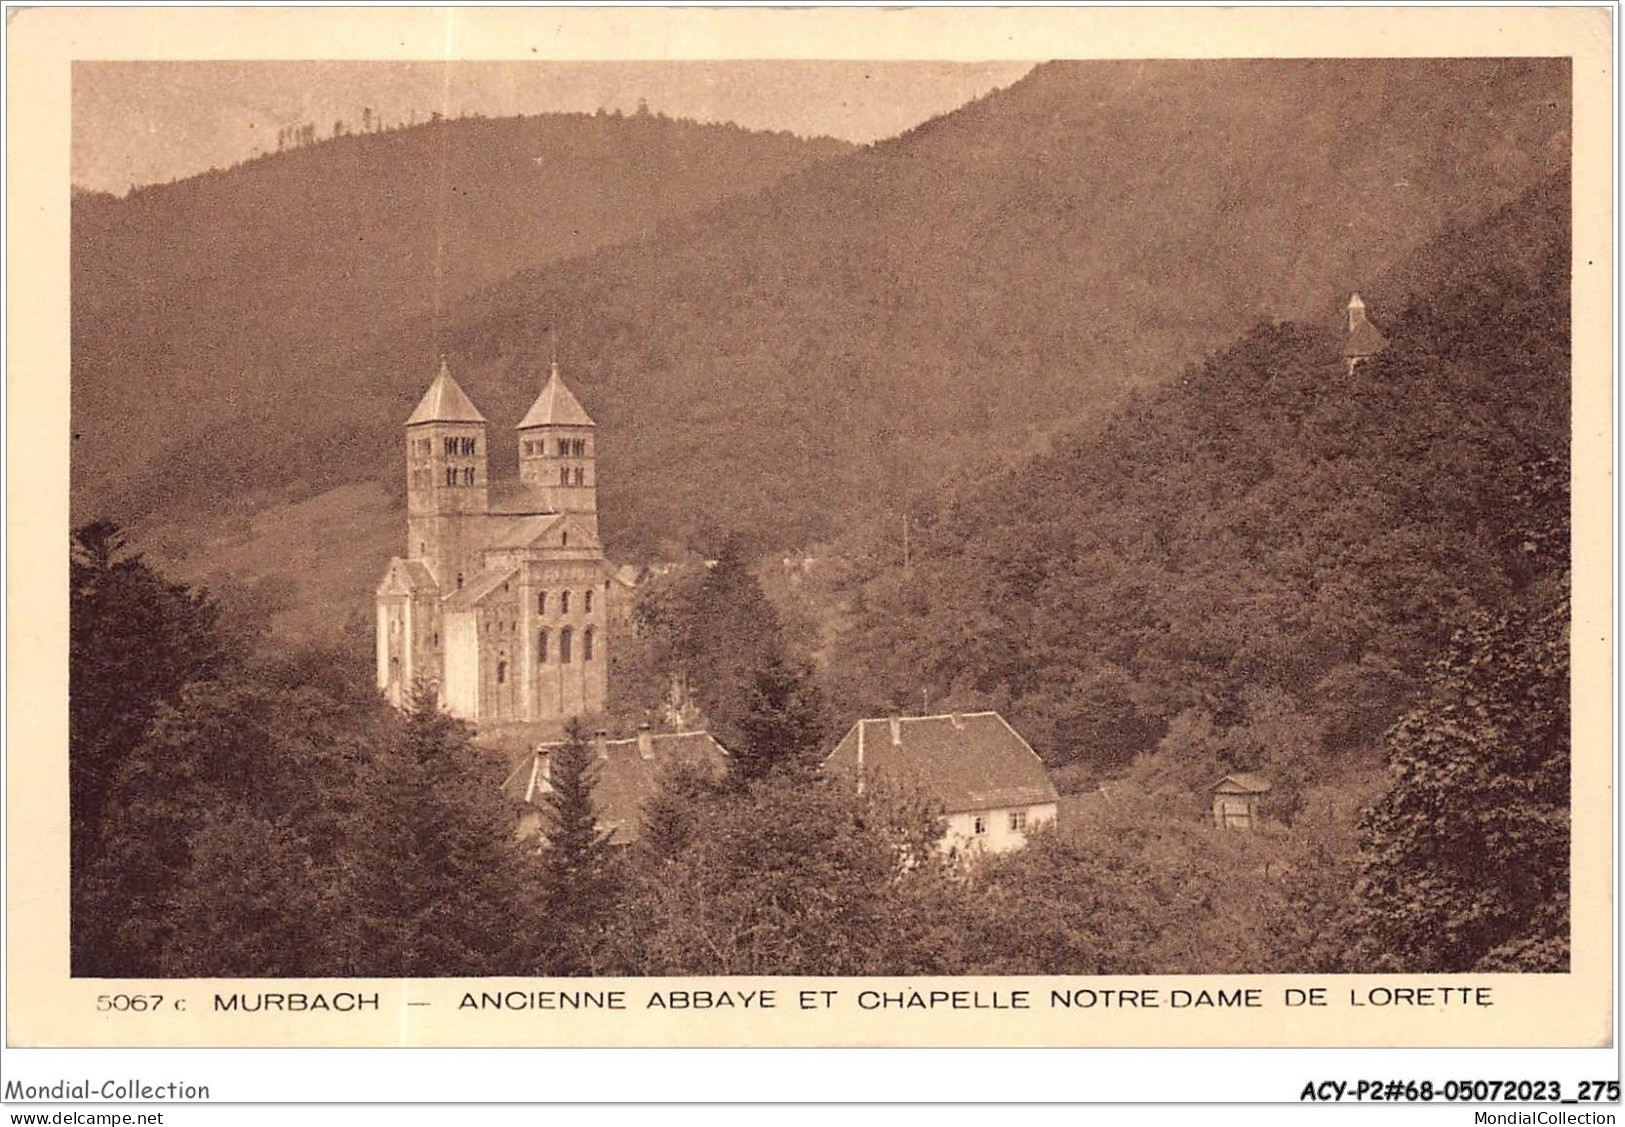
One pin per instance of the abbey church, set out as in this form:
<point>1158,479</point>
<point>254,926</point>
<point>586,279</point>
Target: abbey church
<point>501,600</point>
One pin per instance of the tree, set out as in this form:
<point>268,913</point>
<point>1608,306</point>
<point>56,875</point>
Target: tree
<point>713,632</point>
<point>672,815</point>
<point>253,901</point>
<point>135,641</point>
<point>783,876</point>
<point>577,879</point>
<point>439,886</point>
<point>1465,862</point>
<point>783,723</point>
<point>729,631</point>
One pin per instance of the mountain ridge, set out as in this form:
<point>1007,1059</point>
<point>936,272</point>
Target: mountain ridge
<point>254,292</point>
<point>790,360</point>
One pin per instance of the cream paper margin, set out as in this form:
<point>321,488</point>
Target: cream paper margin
<point>47,1008</point>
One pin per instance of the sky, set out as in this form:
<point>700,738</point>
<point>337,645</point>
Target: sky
<point>149,122</point>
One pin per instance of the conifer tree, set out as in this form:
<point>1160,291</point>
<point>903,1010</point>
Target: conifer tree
<point>783,723</point>
<point>578,880</point>
<point>135,642</point>
<point>440,881</point>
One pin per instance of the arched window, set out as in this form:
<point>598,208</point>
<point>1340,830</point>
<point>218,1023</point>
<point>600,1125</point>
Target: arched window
<point>564,542</point>
<point>541,602</point>
<point>469,446</point>
<point>564,646</point>
<point>541,648</point>
<point>586,601</point>
<point>451,475</point>
<point>586,644</point>
<point>564,475</point>
<point>564,448</point>
<point>564,602</point>
<point>459,581</point>
<point>451,447</point>
<point>468,475</point>
<point>581,475</point>
<point>502,673</point>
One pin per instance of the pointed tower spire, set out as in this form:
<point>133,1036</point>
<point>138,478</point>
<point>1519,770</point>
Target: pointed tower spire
<point>446,479</point>
<point>445,402</point>
<point>556,450</point>
<point>556,405</point>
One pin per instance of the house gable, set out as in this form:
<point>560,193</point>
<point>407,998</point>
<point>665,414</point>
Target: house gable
<point>968,762</point>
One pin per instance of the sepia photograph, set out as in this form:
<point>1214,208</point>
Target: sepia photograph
<point>613,529</point>
<point>1086,517</point>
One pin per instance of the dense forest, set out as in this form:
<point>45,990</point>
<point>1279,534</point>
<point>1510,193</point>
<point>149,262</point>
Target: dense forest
<point>829,340</point>
<point>261,295</point>
<point>1353,582</point>
<point>1266,535</point>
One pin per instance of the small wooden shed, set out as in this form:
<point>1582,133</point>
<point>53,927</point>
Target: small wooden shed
<point>1236,799</point>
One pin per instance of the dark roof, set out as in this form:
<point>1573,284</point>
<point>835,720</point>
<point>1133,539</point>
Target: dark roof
<point>970,761</point>
<point>623,779</point>
<point>1242,783</point>
<point>1364,340</point>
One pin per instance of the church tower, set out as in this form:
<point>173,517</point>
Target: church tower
<point>556,451</point>
<point>446,482</point>
<point>1363,340</point>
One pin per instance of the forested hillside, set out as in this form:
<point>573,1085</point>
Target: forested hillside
<point>794,359</point>
<point>1355,583</point>
<point>1252,567</point>
<point>798,358</point>
<point>258,296</point>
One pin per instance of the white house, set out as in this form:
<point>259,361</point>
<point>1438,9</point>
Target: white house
<point>993,788</point>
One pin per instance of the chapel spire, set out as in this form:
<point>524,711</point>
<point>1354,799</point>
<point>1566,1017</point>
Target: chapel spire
<point>556,449</point>
<point>445,402</point>
<point>1363,340</point>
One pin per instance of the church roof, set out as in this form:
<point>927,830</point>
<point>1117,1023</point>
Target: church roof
<point>519,531</point>
<point>969,761</point>
<point>469,595</point>
<point>555,406</point>
<point>519,498</point>
<point>445,402</point>
<point>1363,340</point>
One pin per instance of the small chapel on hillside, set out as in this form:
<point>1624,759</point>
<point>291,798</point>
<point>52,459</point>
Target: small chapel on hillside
<point>500,601</point>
